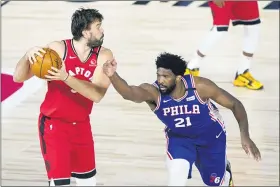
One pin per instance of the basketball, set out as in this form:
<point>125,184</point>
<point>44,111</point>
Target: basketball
<point>42,65</point>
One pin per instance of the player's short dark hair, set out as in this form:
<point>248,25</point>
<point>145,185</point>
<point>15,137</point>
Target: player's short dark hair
<point>82,19</point>
<point>173,62</point>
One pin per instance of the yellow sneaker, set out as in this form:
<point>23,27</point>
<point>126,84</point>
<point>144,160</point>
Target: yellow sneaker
<point>247,80</point>
<point>231,183</point>
<point>194,72</point>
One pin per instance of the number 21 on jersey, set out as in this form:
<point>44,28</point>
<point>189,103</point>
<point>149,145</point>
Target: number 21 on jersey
<point>182,122</point>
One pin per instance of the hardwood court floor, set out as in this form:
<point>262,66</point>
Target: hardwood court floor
<point>130,144</point>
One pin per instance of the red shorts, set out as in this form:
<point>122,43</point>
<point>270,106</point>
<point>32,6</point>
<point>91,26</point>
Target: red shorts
<point>239,12</point>
<point>67,149</point>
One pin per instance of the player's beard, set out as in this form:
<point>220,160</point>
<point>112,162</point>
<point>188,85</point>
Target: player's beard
<point>95,42</point>
<point>169,90</point>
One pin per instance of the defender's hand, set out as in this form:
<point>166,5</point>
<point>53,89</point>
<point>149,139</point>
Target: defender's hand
<point>110,67</point>
<point>250,148</point>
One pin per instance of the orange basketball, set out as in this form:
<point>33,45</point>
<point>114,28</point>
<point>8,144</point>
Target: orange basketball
<point>42,65</point>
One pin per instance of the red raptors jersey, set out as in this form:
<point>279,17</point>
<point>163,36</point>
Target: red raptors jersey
<point>61,101</point>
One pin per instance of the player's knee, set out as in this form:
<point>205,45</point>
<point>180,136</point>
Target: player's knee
<point>214,36</point>
<point>86,178</point>
<point>178,170</point>
<point>251,38</point>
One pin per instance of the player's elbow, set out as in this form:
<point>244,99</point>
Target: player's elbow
<point>98,97</point>
<point>17,78</point>
<point>126,97</point>
<point>127,94</point>
<point>131,98</point>
<point>97,100</point>
<point>20,77</point>
<point>132,94</point>
<point>237,105</point>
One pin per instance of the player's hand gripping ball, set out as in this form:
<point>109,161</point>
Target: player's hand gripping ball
<point>42,60</point>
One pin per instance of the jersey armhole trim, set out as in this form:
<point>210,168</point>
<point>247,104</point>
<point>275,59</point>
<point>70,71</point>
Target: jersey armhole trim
<point>65,50</point>
<point>98,50</point>
<point>158,99</point>
<point>97,53</point>
<point>195,92</point>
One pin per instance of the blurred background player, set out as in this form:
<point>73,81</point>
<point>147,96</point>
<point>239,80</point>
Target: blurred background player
<point>64,123</point>
<point>240,13</point>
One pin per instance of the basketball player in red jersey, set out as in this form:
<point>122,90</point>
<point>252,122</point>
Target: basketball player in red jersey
<point>240,13</point>
<point>64,124</point>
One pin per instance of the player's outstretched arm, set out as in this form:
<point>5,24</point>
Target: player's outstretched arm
<point>209,90</point>
<point>138,94</point>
